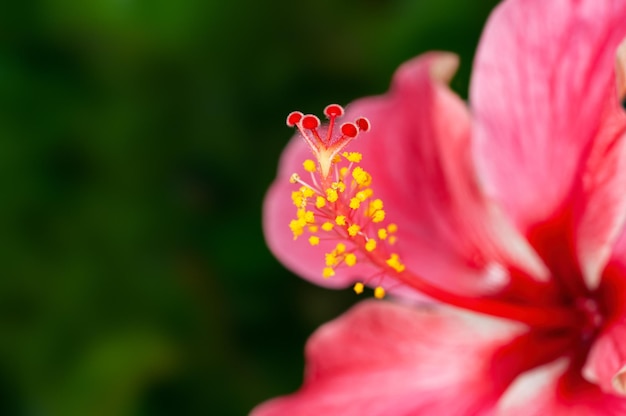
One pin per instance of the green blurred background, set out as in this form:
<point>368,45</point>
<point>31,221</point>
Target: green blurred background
<point>137,139</point>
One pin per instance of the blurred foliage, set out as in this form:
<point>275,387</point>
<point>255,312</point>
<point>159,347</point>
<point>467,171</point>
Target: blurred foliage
<point>137,139</point>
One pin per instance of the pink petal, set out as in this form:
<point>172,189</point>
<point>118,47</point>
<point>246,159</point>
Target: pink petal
<point>601,200</point>
<point>382,358</point>
<point>557,390</point>
<point>541,78</point>
<point>606,363</point>
<point>417,153</point>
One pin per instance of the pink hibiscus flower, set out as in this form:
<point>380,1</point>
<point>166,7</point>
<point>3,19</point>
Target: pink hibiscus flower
<point>509,217</point>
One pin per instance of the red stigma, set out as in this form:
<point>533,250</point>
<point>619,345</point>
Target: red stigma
<point>310,122</point>
<point>349,130</point>
<point>293,118</point>
<point>326,148</point>
<point>363,124</point>
<point>333,110</point>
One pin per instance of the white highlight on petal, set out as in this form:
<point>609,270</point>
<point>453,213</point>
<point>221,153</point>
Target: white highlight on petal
<point>619,381</point>
<point>530,385</point>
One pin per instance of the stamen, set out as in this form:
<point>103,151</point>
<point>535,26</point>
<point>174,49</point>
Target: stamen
<point>340,206</point>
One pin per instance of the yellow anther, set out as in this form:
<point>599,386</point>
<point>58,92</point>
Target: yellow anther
<point>332,195</point>
<point>353,156</point>
<point>320,202</point>
<point>379,292</point>
<point>362,195</point>
<point>309,165</point>
<point>355,203</point>
<point>353,230</point>
<point>343,172</point>
<point>376,204</point>
<point>313,228</point>
<point>297,228</point>
<point>340,186</point>
<point>350,259</point>
<point>294,178</point>
<point>358,288</point>
<point>361,177</point>
<point>314,240</point>
<point>331,259</point>
<point>328,272</point>
<point>298,199</point>
<point>307,192</point>
<point>370,245</point>
<point>378,216</point>
<point>393,239</point>
<point>340,248</point>
<point>327,226</point>
<point>394,263</point>
<point>382,234</point>
<point>336,159</point>
<point>392,228</point>
<point>307,216</point>
<point>340,220</point>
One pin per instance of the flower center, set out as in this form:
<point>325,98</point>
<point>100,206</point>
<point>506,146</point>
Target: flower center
<point>593,317</point>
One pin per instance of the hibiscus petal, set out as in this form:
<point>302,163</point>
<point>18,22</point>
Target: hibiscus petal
<point>606,363</point>
<point>600,203</point>
<point>542,75</point>
<point>417,153</point>
<point>556,389</point>
<point>382,358</point>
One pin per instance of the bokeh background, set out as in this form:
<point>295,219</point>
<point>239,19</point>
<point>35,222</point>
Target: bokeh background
<point>137,139</point>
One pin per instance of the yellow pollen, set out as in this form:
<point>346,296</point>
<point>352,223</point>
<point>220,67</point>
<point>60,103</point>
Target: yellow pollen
<point>393,239</point>
<point>394,263</point>
<point>314,240</point>
<point>362,195</point>
<point>353,230</point>
<point>332,195</point>
<point>353,156</point>
<point>297,228</point>
<point>343,172</point>
<point>331,259</point>
<point>378,216</point>
<point>327,226</point>
<point>307,192</point>
<point>313,228</point>
<point>341,248</point>
<point>340,220</point>
<point>294,178</point>
<point>309,166</point>
<point>328,272</point>
<point>379,293</point>
<point>392,228</point>
<point>340,186</point>
<point>350,259</point>
<point>361,177</point>
<point>307,216</point>
<point>298,199</point>
<point>336,159</point>
<point>320,202</point>
<point>358,288</point>
<point>370,245</point>
<point>382,233</point>
<point>376,204</point>
<point>355,203</point>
